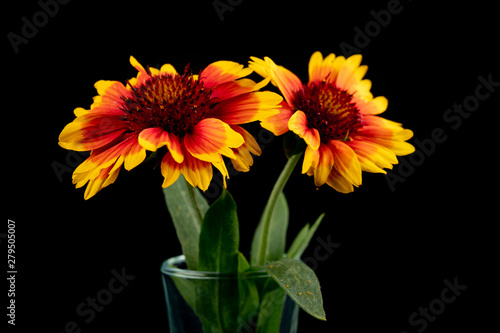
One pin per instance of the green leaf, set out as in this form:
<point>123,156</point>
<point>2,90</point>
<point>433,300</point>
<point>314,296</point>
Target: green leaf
<point>187,288</point>
<point>248,297</point>
<point>276,241</point>
<point>273,297</point>
<point>243,264</point>
<point>219,237</point>
<point>303,238</point>
<point>187,207</point>
<point>260,240</point>
<point>300,283</point>
<point>217,302</point>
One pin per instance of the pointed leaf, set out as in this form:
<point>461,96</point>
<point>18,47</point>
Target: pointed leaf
<point>276,241</point>
<point>303,238</point>
<point>248,297</point>
<point>279,225</point>
<point>219,237</point>
<point>217,303</point>
<point>271,308</point>
<point>300,283</point>
<point>187,288</point>
<point>187,207</point>
<point>260,240</point>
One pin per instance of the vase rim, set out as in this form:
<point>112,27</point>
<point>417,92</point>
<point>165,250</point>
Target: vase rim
<point>171,267</point>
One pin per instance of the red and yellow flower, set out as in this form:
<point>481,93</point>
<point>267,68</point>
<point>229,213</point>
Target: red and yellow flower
<point>337,116</point>
<point>196,117</point>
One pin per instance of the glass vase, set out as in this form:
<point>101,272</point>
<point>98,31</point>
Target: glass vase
<point>255,301</point>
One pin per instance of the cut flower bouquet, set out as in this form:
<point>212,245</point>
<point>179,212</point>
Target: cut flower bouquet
<point>189,123</point>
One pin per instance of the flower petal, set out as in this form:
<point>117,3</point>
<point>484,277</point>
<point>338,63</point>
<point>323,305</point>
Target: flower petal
<point>168,69</point>
<point>339,182</point>
<point>247,107</point>
<point>142,76</point>
<point>362,92</point>
<point>315,67</point>
<point>197,172</point>
<point>278,123</point>
<point>103,165</point>
<point>135,155</point>
<point>109,101</point>
<point>235,88</point>
<point>137,66</point>
<point>105,177</point>
<point>321,69</point>
<point>111,91</point>
<point>299,125</point>
<point>221,166</point>
<point>170,169</point>
<point>345,162</point>
<point>210,138</point>
<point>372,157</point>
<point>311,160</point>
<point>222,71</point>
<point>334,65</point>
<point>386,133</point>
<point>373,106</point>
<point>400,148</point>
<point>155,137</point>
<point>324,166</point>
<point>349,74</point>
<point>243,160</point>
<point>375,126</point>
<point>91,131</point>
<point>260,67</point>
<point>250,142</point>
<point>287,82</point>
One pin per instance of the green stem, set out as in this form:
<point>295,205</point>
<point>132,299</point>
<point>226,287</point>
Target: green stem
<point>268,210</point>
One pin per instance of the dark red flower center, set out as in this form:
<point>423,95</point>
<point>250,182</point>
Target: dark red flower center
<point>175,103</point>
<point>329,109</point>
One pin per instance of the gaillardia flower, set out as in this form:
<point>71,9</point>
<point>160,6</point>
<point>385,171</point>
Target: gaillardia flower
<point>196,117</point>
<point>336,115</point>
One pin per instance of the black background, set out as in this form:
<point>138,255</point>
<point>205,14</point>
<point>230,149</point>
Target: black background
<point>396,247</point>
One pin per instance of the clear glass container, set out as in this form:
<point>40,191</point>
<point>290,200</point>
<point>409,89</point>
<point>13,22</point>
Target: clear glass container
<point>262,306</point>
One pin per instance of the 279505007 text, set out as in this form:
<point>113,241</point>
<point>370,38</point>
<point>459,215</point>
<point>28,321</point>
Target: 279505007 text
<point>11,271</point>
